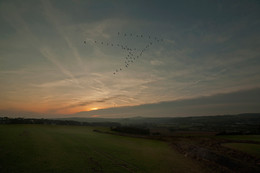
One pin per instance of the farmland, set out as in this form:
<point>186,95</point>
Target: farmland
<point>54,148</point>
<point>252,149</point>
<point>195,144</point>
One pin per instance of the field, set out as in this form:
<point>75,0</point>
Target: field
<point>255,138</point>
<point>53,148</point>
<point>252,149</point>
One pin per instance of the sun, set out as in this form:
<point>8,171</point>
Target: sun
<point>94,109</point>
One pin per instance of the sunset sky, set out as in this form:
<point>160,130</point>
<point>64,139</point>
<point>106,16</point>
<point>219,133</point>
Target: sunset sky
<point>208,62</point>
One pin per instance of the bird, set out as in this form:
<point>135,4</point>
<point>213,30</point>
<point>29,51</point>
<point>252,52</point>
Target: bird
<point>132,55</point>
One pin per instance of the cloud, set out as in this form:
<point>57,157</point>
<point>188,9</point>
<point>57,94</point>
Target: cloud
<point>52,15</point>
<point>170,41</point>
<point>244,101</point>
<point>14,72</point>
<point>14,17</point>
<point>48,54</point>
<point>58,83</point>
<point>156,62</point>
<point>86,103</point>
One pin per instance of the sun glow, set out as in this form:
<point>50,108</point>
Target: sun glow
<point>94,109</point>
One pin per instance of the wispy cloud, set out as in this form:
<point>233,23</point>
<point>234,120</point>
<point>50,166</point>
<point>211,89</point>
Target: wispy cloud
<point>103,100</point>
<point>86,103</point>
<point>156,62</point>
<point>52,15</point>
<point>12,15</point>
<point>15,72</point>
<point>53,84</point>
<point>228,103</point>
<point>51,57</point>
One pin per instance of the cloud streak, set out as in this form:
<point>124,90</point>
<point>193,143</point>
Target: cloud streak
<point>87,103</point>
<point>228,103</point>
<point>52,15</point>
<point>47,53</point>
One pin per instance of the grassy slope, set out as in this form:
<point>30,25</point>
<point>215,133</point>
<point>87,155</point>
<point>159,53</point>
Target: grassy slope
<point>242,137</point>
<point>42,148</point>
<point>252,149</point>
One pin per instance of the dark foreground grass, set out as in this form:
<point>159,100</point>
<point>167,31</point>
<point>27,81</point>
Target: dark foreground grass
<point>251,149</point>
<point>46,148</point>
<point>255,138</point>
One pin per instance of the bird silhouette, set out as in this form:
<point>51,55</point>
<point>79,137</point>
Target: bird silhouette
<point>131,53</point>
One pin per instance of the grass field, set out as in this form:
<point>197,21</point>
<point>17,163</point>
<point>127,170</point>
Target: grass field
<point>252,149</point>
<point>47,148</point>
<point>242,137</point>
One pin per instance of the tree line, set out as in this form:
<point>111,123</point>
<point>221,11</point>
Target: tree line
<point>6,120</point>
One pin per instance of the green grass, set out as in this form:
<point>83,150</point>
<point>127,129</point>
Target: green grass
<point>252,149</point>
<point>242,137</point>
<point>46,148</point>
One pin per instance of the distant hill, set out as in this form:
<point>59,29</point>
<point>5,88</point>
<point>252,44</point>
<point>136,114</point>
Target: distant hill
<point>247,123</point>
<point>241,123</point>
<point>171,120</point>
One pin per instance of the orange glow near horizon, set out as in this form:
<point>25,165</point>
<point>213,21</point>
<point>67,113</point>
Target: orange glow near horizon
<point>76,110</point>
<point>58,108</point>
<point>94,116</point>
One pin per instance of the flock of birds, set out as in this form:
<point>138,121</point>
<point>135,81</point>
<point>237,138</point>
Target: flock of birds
<point>133,54</point>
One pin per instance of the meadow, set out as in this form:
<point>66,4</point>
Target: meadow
<point>245,143</point>
<point>253,138</point>
<point>251,149</point>
<point>57,148</point>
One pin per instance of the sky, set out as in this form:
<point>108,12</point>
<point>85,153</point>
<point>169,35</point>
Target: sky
<point>204,58</point>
